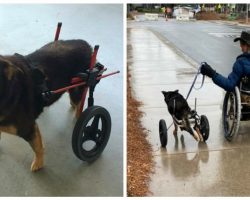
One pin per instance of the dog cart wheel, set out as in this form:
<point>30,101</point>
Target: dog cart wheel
<point>231,113</point>
<point>163,133</point>
<point>91,133</point>
<point>204,127</point>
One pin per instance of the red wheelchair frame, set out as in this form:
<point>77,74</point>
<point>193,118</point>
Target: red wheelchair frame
<point>77,81</point>
<point>84,132</point>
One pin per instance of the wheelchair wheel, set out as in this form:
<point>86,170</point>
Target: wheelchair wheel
<point>91,133</point>
<point>231,113</point>
<point>163,133</point>
<point>204,127</point>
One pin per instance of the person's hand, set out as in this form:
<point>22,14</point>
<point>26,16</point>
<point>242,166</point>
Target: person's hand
<point>207,70</point>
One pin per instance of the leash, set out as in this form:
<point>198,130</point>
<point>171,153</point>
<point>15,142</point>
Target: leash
<point>195,78</point>
<point>193,86</point>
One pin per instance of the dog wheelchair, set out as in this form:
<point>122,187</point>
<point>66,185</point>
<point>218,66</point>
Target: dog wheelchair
<point>200,124</point>
<point>92,129</point>
<point>236,108</point>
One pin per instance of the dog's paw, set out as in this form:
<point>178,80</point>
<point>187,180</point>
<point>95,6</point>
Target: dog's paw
<point>36,165</point>
<point>201,138</point>
<point>196,136</point>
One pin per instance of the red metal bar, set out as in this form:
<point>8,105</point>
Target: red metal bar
<point>93,58</point>
<point>78,79</point>
<point>84,94</point>
<point>106,75</point>
<point>59,25</point>
<point>67,88</point>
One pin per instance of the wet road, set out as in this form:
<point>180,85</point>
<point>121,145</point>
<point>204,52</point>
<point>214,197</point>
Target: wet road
<point>210,42</point>
<point>184,168</point>
<point>25,28</point>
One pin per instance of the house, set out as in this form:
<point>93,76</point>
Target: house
<point>183,13</point>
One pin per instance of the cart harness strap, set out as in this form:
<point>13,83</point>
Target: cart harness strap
<point>195,78</point>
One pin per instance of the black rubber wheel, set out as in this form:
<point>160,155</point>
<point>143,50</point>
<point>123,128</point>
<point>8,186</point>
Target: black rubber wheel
<point>231,113</point>
<point>204,127</point>
<point>91,133</point>
<point>163,133</point>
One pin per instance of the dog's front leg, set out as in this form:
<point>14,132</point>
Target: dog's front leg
<point>175,129</point>
<point>37,146</point>
<point>199,134</point>
<point>189,129</point>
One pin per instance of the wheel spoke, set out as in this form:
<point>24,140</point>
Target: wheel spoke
<point>85,135</point>
<point>95,123</point>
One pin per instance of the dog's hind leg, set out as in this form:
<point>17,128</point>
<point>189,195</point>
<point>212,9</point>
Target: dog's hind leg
<point>37,146</point>
<point>75,99</point>
<point>8,129</point>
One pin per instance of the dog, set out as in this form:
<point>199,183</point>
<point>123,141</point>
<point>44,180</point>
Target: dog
<point>180,112</point>
<point>22,80</point>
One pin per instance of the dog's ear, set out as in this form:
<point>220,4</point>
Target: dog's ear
<point>176,91</point>
<point>164,93</point>
<point>3,63</point>
<point>7,68</point>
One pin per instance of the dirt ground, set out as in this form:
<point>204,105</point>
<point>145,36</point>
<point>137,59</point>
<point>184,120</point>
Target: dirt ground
<point>221,16</point>
<point>208,16</point>
<point>139,152</point>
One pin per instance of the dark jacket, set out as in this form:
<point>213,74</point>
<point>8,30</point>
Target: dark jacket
<point>241,68</point>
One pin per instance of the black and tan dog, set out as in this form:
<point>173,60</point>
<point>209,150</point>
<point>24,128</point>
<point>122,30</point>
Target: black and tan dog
<point>22,79</point>
<point>181,113</point>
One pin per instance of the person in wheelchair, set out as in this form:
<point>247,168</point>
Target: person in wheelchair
<point>241,66</point>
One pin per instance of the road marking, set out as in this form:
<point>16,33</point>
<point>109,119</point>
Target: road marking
<point>227,35</point>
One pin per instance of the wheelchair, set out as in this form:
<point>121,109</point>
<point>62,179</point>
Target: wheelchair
<point>92,129</point>
<point>236,108</point>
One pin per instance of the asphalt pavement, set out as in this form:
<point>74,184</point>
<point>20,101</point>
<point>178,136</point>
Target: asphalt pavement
<point>184,167</point>
<point>207,41</point>
<point>27,27</point>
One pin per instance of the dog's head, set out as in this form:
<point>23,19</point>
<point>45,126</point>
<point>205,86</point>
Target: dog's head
<point>8,72</point>
<point>170,94</point>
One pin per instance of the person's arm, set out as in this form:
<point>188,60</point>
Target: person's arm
<point>233,78</point>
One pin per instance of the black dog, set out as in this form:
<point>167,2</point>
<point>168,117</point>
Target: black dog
<point>22,80</point>
<point>180,112</point>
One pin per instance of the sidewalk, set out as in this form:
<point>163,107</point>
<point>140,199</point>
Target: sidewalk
<point>184,168</point>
